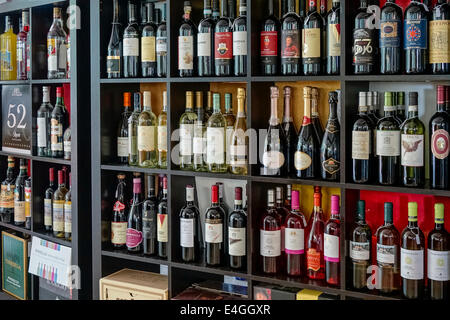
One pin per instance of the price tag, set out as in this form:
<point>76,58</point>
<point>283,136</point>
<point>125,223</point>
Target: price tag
<point>16,119</point>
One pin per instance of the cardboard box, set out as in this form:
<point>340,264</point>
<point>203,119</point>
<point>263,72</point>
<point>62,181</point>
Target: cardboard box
<point>272,292</point>
<point>128,284</point>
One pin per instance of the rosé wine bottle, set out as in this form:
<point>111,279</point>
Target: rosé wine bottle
<point>314,254</point>
<point>332,244</point>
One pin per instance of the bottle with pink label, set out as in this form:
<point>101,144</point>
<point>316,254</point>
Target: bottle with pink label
<point>332,244</point>
<point>134,229</point>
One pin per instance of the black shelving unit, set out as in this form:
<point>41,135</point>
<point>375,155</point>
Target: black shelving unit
<point>106,101</point>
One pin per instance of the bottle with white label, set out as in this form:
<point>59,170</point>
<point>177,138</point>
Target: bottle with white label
<point>59,198</point>
<point>388,243</point>
<point>162,134</point>
<point>131,36</point>
<point>58,123</point>
<point>19,195</point>
<point>190,229</point>
<point>332,247</point>
<point>43,124</point>
<point>238,143</point>
<point>133,121</point>
<point>122,132</point>
<point>187,122</point>
<point>237,233</point>
<point>216,139</point>
<point>147,135</point>
<point>56,48</point>
<point>48,201</point>
<point>413,146</point>
<point>187,38</point>
<point>199,140</point>
<point>230,119</point>
<point>412,256</point>
<point>240,41</point>
<point>214,230</point>
<point>438,258</point>
<point>205,42</point>
<point>68,212</point>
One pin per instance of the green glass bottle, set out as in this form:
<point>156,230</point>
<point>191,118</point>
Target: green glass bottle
<point>187,120</point>
<point>199,147</point>
<point>132,131</point>
<point>401,106</point>
<point>147,133</point>
<point>215,139</point>
<point>162,134</point>
<point>230,120</point>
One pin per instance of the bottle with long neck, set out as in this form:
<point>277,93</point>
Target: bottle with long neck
<point>315,266</point>
<point>332,246</point>
<point>199,142</point>
<point>148,43</point>
<point>205,42</point>
<point>23,47</point>
<point>149,219</point>
<point>237,233</point>
<point>415,43</point>
<point>270,46</point>
<point>290,131</point>
<point>364,42</point>
<point>147,135</point>
<point>58,125</point>
<point>239,142</point>
<point>131,35</point>
<point>44,125</point>
<point>390,38</point>
<point>333,44</point>
<point>214,230</point>
<point>312,41</point>
<point>401,106</point>
<point>315,119</point>
<point>215,10</point>
<point>190,229</point>
<point>215,139</point>
<point>162,134</point>
<point>161,45</point>
<point>114,57</point>
<point>134,236</point>
<point>59,198</point>
<point>68,211</point>
<point>163,221</point>
<point>7,193</point>
<point>122,132</point>
<point>223,43</point>
<point>240,41</point>
<point>19,195</point>
<point>230,120</point>
<point>209,105</point>
<point>56,47</point>
<point>232,9</point>
<point>186,44</point>
<point>330,147</point>
<point>372,103</point>
<point>133,121</point>
<point>187,122</point>
<point>439,59</point>
<point>270,237</point>
<point>288,198</point>
<point>291,24</point>
<point>119,218</point>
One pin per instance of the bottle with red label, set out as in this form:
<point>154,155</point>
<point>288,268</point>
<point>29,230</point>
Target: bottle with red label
<point>291,26</point>
<point>240,41</point>
<point>315,268</point>
<point>134,228</point>
<point>223,44</point>
<point>269,43</point>
<point>332,244</point>
<point>119,219</point>
<point>162,225</point>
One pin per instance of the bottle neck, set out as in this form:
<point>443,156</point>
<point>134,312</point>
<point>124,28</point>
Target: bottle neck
<point>207,11</point>
<point>363,110</point>
<point>241,110</point>
<point>131,15</point>
<point>243,8</point>
<point>274,112</point>
<point>60,101</point>
<point>307,111</point>
<point>271,8</point>
<point>224,9</point>
<point>312,6</point>
<point>237,205</point>
<point>287,108</point>
<point>291,6</point>
<point>413,112</point>
<point>115,12</point>
<point>333,110</point>
<point>336,4</point>
<point>389,111</point>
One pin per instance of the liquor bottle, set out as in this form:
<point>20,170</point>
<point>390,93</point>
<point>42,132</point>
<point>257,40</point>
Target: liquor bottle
<point>269,44</point>
<point>58,125</point>
<point>291,24</point>
<point>7,193</point>
<point>190,229</point>
<point>412,256</point>
<point>161,46</point>
<point>205,42</point>
<point>8,43</point>
<point>315,266</point>
<point>307,153</point>
<point>239,141</point>
<point>23,47</point>
<point>134,237</point>
<point>215,10</point>
<point>274,153</point>
<point>223,43</point>
<point>362,148</point>
<point>199,140</point>
<point>360,248</point>
<point>415,42</point>
<point>330,147</point>
<point>122,132</point>
<point>413,146</point>
<point>162,223</point>
<point>67,144</point>
<point>59,197</point>
<point>290,132</point>
<point>333,35</point>
<point>401,106</point>
<point>56,47</point>
<point>133,123</point>
<point>43,125</point>
<point>131,37</point>
<point>119,218</point>
<point>209,105</point>
<point>364,42</point>
<point>48,201</point>
<point>215,139</point>
<point>237,233</point>
<point>149,218</point>
<point>187,121</point>
<point>148,43</point>
<point>332,244</point>
<point>312,41</point>
<point>439,21</point>
<point>439,142</point>
<point>388,242</point>
<point>288,198</point>
<point>437,256</point>
<point>315,119</point>
<point>68,211</point>
<point>162,134</point>
<point>390,38</point>
<point>214,230</point>
<point>186,39</point>
<point>114,57</point>
<point>388,144</point>
<point>240,41</point>
<point>270,237</point>
<point>147,135</point>
<point>230,120</point>
<point>294,232</point>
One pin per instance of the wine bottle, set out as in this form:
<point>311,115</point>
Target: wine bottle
<point>388,144</point>
<point>44,125</point>
<point>372,103</point>
<point>240,41</point>
<point>215,139</point>
<point>223,43</point>
<point>187,121</point>
<point>114,57</point>
<point>439,143</point>
<point>330,147</point>
<point>56,48</point>
<point>437,256</point>
<point>187,37</point>
<point>333,34</point>
<point>283,213</point>
<point>388,242</point>
<point>190,229</point>
<point>315,266</point>
<point>199,139</point>
<point>68,212</point>
<point>131,37</point>
<point>23,47</point>
<point>149,218</point>
<point>312,41</point>
<point>214,230</point>
<point>162,134</point>
<point>222,203</point>
<point>134,237</point>
<point>307,154</point>
<point>19,195</point>
<point>148,43</point>
<point>288,198</point>
<point>270,46</point>
<point>230,120</point>
<point>147,135</point>
<point>122,132</point>
<point>331,245</point>
<point>209,105</point>
<point>67,144</point>
<point>239,141</point>
<point>232,9</point>
<point>163,221</point>
<point>291,24</point>
<point>133,123</point>
<point>205,42</point>
<point>439,22</point>
<point>315,119</point>
<point>413,146</point>
<point>215,10</point>
<point>412,256</point>
<point>360,248</point>
<point>290,132</point>
<point>119,218</point>
<point>390,38</point>
<point>401,106</point>
<point>237,233</point>
<point>415,42</point>
<point>270,237</point>
<point>48,201</point>
<point>161,46</point>
<point>58,125</point>
<point>364,42</point>
<point>58,207</point>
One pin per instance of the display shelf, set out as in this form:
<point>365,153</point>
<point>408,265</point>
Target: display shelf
<point>309,182</point>
<point>209,175</point>
<point>399,189</point>
<point>214,270</point>
<point>126,168</point>
<point>209,79</point>
<point>50,81</point>
<point>134,80</point>
<point>48,236</point>
<point>123,254</point>
<point>15,228</point>
<point>399,78</point>
<point>295,78</point>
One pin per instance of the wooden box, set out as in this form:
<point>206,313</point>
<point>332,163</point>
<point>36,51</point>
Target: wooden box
<point>128,284</point>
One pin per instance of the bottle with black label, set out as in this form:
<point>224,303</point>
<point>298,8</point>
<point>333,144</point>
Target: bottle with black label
<point>330,148</point>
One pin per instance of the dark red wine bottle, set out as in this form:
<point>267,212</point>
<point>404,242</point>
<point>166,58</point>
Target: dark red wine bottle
<point>333,41</point>
<point>148,43</point>
<point>312,41</point>
<point>205,42</point>
<point>223,44</point>
<point>187,37</point>
<point>131,35</point>
<point>237,233</point>
<point>214,230</point>
<point>390,38</point>
<point>291,26</point>
<point>290,132</point>
<point>415,37</point>
<point>190,229</point>
<point>270,45</point>
<point>364,42</point>
<point>163,221</point>
<point>240,41</point>
<point>149,210</point>
<point>439,22</point>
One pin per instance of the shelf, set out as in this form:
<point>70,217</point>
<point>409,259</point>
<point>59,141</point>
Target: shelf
<point>126,168</point>
<point>295,78</point>
<point>15,82</point>
<point>22,4</point>
<point>52,160</point>
<point>46,236</point>
<point>203,268</point>
<point>16,228</point>
<point>50,81</point>
<point>134,80</point>
<point>123,254</point>
<point>399,189</point>
<point>209,79</point>
<point>400,78</point>
<point>369,296</point>
<point>209,175</point>
<point>287,180</point>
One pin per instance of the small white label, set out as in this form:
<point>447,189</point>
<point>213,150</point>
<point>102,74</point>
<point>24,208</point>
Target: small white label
<point>236,241</point>
<point>213,232</point>
<point>67,146</point>
<point>146,138</point>
<point>204,44</point>
<point>294,240</point>
<point>185,52</point>
<point>273,159</point>
<point>412,150</point>
<point>68,217</point>
<point>438,265</point>
<point>122,146</point>
<point>41,132</point>
<point>186,131</point>
<point>360,145</point>
<point>199,145</point>
<point>386,254</point>
<point>240,43</point>
<point>161,46</point>
<point>162,138</point>
<point>388,143</point>
<point>331,248</point>
<point>411,264</point>
<point>215,145</point>
<point>187,233</point>
<point>131,47</point>
<point>270,243</point>
<point>359,250</point>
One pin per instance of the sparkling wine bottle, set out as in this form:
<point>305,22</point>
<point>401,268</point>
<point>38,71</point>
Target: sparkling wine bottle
<point>330,147</point>
<point>315,266</point>
<point>239,142</point>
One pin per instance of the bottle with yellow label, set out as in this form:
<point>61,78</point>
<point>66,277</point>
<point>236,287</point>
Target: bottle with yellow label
<point>59,199</point>
<point>8,44</point>
<point>28,203</point>
<point>19,195</point>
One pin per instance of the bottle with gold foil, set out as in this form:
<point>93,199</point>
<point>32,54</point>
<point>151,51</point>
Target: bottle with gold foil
<point>238,144</point>
<point>19,195</point>
<point>162,134</point>
<point>8,45</point>
<point>7,193</point>
<point>147,135</point>
<point>59,198</point>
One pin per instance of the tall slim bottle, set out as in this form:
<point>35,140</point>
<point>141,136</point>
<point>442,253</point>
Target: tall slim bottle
<point>270,237</point>
<point>59,198</point>
<point>215,139</point>
<point>230,120</point>
<point>68,212</point>
<point>315,118</point>
<point>114,58</point>
<point>162,134</point>
<point>149,218</point>
<point>58,123</point>
<point>147,135</point>
<point>131,51</point>
<point>119,218</point>
<point>269,42</point>
<point>44,125</point>
<point>23,48</point>
<point>56,47</point>
<point>187,38</point>
<point>8,43</point>
<point>290,132</point>
<point>48,201</point>
<point>134,229</point>
<point>161,45</point>
<point>239,142</point>
<point>199,140</point>
<point>315,264</point>
<point>191,238</point>
<point>133,122</point>
<point>187,121</point>
<point>122,132</point>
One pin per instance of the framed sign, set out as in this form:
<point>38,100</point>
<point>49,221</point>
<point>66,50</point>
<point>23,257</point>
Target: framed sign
<point>14,265</point>
<point>16,119</point>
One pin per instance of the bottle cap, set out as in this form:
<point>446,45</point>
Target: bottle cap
<point>334,204</point>
<point>440,94</point>
<point>388,215</point>
<point>121,176</point>
<point>241,93</point>
<point>363,99</point>
<point>332,97</point>
<point>439,213</point>
<point>51,174</point>
<point>412,211</point>
<point>164,98</point>
<point>147,99</point>
<point>413,99</point>
<point>238,193</point>
<point>315,92</point>
<point>165,182</point>
<point>287,91</point>
<point>127,99</point>
<point>279,193</point>
<point>60,177</point>
<point>274,93</point>
<point>401,98</point>
<point>137,99</point>
<point>136,185</point>
<point>271,196</point>
<point>189,193</point>
<point>59,92</point>
<point>214,194</point>
<point>295,204</point>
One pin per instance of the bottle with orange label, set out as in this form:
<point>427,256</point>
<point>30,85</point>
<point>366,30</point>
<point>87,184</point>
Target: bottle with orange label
<point>315,240</point>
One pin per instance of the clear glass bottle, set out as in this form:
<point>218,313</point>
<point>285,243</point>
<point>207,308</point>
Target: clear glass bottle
<point>68,211</point>
<point>23,47</point>
<point>43,125</point>
<point>199,141</point>
<point>133,121</point>
<point>56,48</point>
<point>230,119</point>
<point>187,121</point>
<point>147,133</point>
<point>162,134</point>
<point>215,139</point>
<point>239,141</point>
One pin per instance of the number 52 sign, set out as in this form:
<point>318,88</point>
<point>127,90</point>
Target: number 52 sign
<point>16,119</point>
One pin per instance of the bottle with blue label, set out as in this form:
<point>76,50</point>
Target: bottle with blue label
<point>415,43</point>
<point>390,38</point>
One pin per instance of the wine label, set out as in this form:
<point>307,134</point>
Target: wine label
<point>48,213</point>
<point>113,64</point>
<point>27,202</point>
<point>162,228</point>
<point>149,224</point>
<point>302,160</point>
<point>273,159</point>
<point>215,145</point>
<point>415,34</point>
<point>122,146</point>
<point>440,41</point>
<point>386,254</point>
<point>412,264</point>
<point>331,248</point>
<point>334,40</point>
<point>389,34</point>
<point>240,43</point>
<point>290,45</point>
<point>148,48</point>
<point>146,138</point>
<point>119,233</point>
<point>438,265</point>
<point>223,46</point>
<point>199,145</point>
<point>269,44</point>
<point>229,135</point>
<point>311,45</point>
<point>19,211</point>
<point>55,135</point>
<point>388,143</point>
<point>360,250</point>
<point>331,165</point>
<point>204,44</point>
<point>187,233</point>
<point>131,47</point>
<point>213,231</point>
<point>270,243</point>
<point>161,46</point>
<point>162,138</point>
<point>41,132</point>
<point>56,55</point>
<point>313,259</point>
<point>186,53</point>
<point>68,217</point>
<point>21,47</point>
<point>236,241</point>
<point>186,132</point>
<point>238,155</point>
<point>363,46</point>
<point>134,238</point>
<point>67,146</point>
<point>440,144</point>
<point>294,242</point>
<point>7,196</point>
<point>412,150</point>
<point>360,145</point>
<point>58,215</point>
